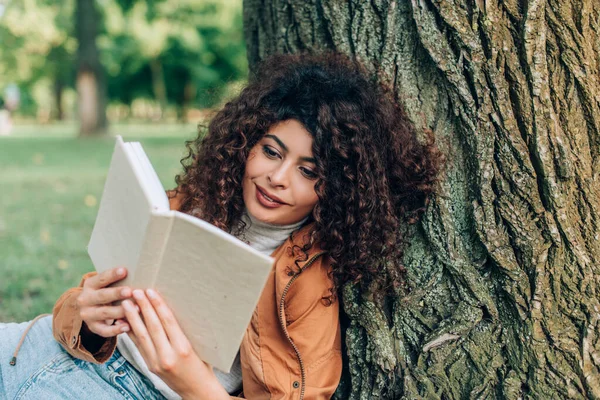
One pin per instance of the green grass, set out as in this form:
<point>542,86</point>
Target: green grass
<point>50,187</point>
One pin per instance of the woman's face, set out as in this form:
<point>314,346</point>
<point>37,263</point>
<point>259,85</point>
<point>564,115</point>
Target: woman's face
<point>279,180</point>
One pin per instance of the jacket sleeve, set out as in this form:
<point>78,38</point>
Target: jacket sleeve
<point>68,329</point>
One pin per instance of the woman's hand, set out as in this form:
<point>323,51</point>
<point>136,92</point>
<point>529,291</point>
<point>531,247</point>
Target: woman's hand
<point>167,351</point>
<point>95,303</point>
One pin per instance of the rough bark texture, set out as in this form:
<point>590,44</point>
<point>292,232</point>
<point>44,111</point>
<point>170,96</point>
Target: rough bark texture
<point>91,89</point>
<point>505,263</point>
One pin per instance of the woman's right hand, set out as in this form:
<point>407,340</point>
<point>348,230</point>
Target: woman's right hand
<point>96,307</point>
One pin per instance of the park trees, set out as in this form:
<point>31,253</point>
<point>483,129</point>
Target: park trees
<point>37,50</point>
<point>91,81</point>
<point>504,267</point>
<point>55,43</point>
<point>185,55</point>
<point>181,57</point>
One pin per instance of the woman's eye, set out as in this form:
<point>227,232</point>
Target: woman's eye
<point>308,173</point>
<point>270,152</point>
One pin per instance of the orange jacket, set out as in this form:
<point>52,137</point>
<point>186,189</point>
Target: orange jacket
<point>292,346</point>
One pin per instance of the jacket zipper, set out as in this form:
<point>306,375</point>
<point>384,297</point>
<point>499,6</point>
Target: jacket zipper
<point>281,306</point>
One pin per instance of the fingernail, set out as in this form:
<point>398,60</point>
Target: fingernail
<point>137,308</point>
<point>127,305</point>
<point>121,271</point>
<point>138,294</point>
<point>125,292</point>
<point>151,293</point>
<point>124,328</point>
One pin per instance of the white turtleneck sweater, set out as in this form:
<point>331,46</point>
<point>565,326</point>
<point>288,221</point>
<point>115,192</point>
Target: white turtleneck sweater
<point>262,237</point>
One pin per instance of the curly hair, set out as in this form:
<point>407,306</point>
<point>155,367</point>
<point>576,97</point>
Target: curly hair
<point>373,173</point>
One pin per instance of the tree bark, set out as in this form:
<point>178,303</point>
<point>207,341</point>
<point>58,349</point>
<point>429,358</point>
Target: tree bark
<point>504,266</point>
<point>91,89</point>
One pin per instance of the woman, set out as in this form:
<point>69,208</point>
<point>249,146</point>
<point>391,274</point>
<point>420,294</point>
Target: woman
<point>312,163</point>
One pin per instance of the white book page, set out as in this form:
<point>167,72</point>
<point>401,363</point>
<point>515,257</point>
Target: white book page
<point>157,234</point>
<point>124,213</point>
<point>151,182</point>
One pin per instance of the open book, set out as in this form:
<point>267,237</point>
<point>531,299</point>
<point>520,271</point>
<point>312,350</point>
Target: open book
<point>211,280</point>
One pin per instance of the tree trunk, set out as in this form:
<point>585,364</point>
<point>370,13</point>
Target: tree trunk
<point>91,90</point>
<point>504,266</point>
<point>57,90</point>
<point>159,88</point>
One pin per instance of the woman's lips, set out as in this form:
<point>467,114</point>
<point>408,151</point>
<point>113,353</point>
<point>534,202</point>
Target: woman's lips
<point>266,201</point>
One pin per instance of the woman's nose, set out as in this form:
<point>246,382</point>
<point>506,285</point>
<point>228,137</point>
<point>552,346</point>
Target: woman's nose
<point>279,176</point>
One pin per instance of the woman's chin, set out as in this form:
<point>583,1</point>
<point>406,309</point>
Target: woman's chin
<point>262,214</point>
<point>278,216</point>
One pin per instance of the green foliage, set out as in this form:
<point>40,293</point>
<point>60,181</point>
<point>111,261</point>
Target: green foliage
<point>183,53</point>
<point>36,45</point>
<point>197,43</point>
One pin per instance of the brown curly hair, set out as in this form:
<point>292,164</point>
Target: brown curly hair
<point>373,173</point>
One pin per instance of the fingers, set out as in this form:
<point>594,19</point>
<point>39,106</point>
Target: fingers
<point>105,278</point>
<point>102,313</point>
<point>156,332</point>
<point>97,311</point>
<point>91,300</point>
<point>176,336</point>
<point>100,328</point>
<point>108,295</point>
<point>139,334</point>
<point>153,324</point>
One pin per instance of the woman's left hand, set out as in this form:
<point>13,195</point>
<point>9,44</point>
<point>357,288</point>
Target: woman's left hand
<point>167,351</point>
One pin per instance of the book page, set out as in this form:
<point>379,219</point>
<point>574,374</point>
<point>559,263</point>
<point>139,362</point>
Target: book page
<point>157,233</point>
<point>213,282</point>
<point>123,216</point>
<point>151,183</point>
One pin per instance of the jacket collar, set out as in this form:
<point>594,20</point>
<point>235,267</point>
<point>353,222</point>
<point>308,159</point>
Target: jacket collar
<point>292,247</point>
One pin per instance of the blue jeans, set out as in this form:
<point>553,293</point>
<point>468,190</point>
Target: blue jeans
<point>44,370</point>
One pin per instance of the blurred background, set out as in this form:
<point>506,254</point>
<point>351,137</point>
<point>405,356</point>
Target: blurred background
<point>74,73</point>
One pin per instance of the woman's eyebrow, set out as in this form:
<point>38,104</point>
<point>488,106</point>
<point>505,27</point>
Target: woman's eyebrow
<point>284,147</point>
<point>279,142</point>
